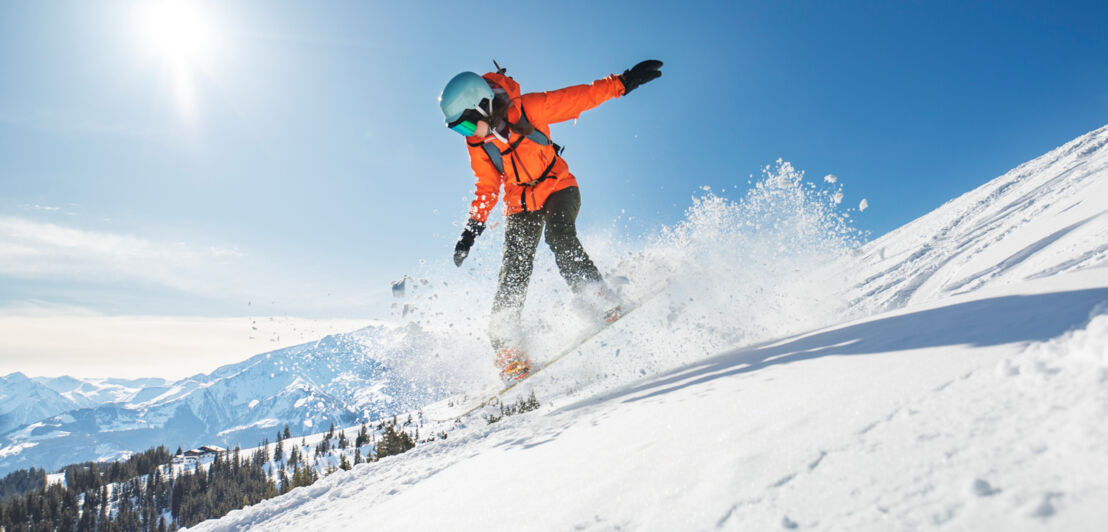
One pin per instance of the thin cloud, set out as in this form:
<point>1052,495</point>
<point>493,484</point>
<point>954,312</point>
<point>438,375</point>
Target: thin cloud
<point>55,340</point>
<point>31,249</point>
<point>70,209</point>
<point>43,262</point>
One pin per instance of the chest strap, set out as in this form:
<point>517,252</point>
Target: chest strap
<point>538,137</point>
<point>524,187</point>
<point>496,157</point>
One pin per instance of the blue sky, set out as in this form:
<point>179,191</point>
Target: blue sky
<point>289,158</point>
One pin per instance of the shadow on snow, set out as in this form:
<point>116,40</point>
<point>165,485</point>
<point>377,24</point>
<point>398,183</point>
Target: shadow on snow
<point>981,323</point>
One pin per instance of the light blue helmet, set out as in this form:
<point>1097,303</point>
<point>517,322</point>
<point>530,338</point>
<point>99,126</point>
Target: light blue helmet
<point>464,91</point>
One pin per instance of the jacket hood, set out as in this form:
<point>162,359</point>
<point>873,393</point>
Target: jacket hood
<point>504,82</point>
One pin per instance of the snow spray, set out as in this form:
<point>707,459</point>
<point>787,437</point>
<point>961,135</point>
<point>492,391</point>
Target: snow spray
<point>738,271</point>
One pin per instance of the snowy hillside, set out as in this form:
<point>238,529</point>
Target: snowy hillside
<point>340,379</point>
<point>1047,216</point>
<point>969,391</point>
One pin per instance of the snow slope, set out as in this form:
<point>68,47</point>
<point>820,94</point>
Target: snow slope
<point>838,430</point>
<point>1047,216</point>
<point>969,390</point>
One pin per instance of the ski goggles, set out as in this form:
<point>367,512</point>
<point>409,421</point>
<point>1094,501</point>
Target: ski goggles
<point>466,124</point>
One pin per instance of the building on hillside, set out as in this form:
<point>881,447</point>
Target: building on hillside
<point>202,453</point>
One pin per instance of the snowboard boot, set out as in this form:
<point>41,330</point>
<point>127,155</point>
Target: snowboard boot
<point>513,365</point>
<point>613,314</point>
<point>597,301</point>
<point>612,302</point>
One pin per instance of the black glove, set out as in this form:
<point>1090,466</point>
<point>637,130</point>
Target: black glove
<point>639,74</point>
<point>461,249</point>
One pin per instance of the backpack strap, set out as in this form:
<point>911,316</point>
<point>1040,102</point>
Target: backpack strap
<point>496,157</point>
<point>538,137</point>
<point>494,154</point>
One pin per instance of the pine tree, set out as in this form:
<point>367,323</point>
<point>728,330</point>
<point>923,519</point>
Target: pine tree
<point>279,451</point>
<point>303,476</point>
<point>393,442</point>
<point>344,464</point>
<point>285,481</point>
<point>287,434</point>
<point>363,437</point>
<point>141,493</point>
<point>103,518</point>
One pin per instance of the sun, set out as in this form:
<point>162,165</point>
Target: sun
<point>180,38</point>
<point>177,31</point>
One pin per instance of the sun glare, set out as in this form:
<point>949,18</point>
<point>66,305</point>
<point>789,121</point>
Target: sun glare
<point>180,37</point>
<point>177,30</point>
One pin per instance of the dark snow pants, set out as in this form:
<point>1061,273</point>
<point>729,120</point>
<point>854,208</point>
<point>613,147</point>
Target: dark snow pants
<point>521,237</point>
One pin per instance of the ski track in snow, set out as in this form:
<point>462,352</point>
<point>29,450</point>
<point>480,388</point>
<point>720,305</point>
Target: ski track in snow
<point>952,238</point>
<point>969,459</point>
<point>967,388</point>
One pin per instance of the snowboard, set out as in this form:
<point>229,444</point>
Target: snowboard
<point>572,347</point>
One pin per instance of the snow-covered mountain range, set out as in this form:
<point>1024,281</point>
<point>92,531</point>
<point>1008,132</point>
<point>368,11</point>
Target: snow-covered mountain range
<point>341,379</point>
<point>25,400</point>
<point>964,386</point>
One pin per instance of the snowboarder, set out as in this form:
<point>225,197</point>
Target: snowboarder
<point>508,136</point>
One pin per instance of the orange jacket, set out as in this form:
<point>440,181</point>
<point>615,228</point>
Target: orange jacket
<point>528,160</point>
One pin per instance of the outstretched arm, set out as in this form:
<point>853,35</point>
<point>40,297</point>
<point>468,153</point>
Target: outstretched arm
<point>568,103</point>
